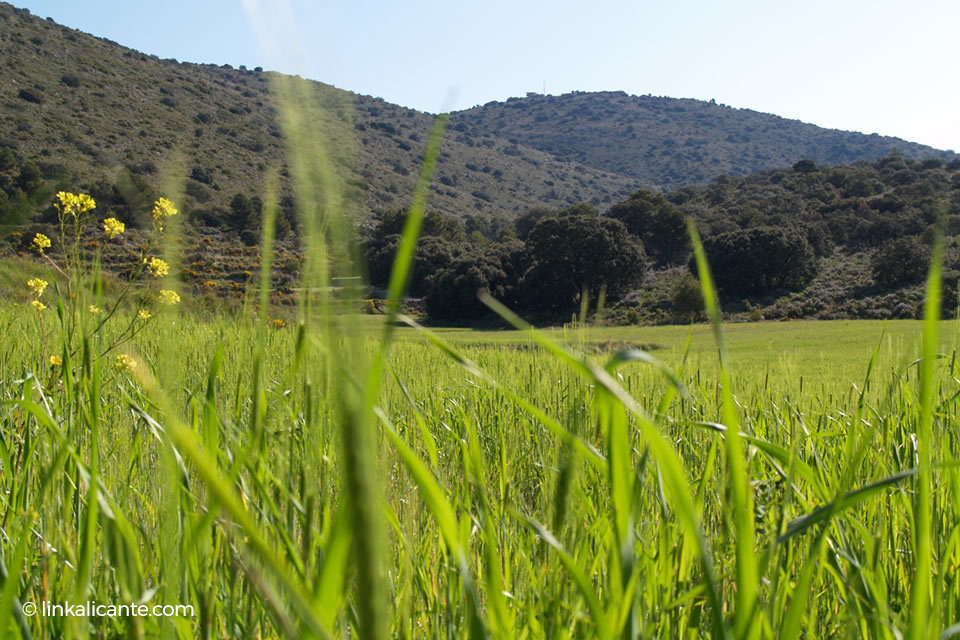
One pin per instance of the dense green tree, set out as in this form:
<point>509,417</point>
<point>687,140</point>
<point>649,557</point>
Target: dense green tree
<point>8,161</point>
<point>570,255</point>
<point>528,220</point>
<point>687,299</point>
<point>30,178</point>
<point>453,292</point>
<point>244,212</point>
<point>818,235</point>
<point>434,223</point>
<point>432,255</point>
<point>753,261</point>
<point>659,225</point>
<point>899,262</point>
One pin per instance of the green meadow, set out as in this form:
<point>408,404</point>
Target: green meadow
<point>212,473</point>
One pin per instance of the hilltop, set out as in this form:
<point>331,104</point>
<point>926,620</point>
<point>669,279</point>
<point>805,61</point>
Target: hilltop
<point>666,143</point>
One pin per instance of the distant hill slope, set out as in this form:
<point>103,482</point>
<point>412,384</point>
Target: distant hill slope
<point>86,108</point>
<point>668,142</point>
<point>94,115</point>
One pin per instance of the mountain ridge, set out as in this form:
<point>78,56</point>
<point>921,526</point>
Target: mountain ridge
<point>675,142</point>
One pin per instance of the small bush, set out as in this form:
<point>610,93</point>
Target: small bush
<point>30,95</point>
<point>687,299</point>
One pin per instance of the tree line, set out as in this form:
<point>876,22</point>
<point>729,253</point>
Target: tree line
<point>766,235</point>
<point>552,258</point>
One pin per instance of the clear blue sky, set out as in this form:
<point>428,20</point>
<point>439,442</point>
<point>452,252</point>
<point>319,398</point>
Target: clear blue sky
<point>884,66</point>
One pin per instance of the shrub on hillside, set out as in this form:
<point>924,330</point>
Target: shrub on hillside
<point>687,299</point>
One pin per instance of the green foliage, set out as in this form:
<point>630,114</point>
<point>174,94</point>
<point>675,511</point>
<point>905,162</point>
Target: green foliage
<point>525,222</point>
<point>30,178</point>
<point>660,225</point>
<point>754,261</point>
<point>899,262</point>
<point>433,254</point>
<point>687,299</point>
<point>572,255</point>
<point>245,216</point>
<point>434,224</point>
<point>453,292</point>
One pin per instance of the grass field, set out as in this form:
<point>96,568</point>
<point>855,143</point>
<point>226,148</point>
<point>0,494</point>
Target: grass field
<point>827,353</point>
<point>225,490</point>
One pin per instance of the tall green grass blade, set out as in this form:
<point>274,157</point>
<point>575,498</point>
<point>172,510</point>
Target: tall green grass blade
<point>921,603</point>
<point>445,516</point>
<point>584,587</point>
<point>737,473</point>
<point>848,500</point>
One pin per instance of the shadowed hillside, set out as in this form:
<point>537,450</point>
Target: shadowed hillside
<point>668,142</point>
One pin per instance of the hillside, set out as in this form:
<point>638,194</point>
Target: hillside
<point>851,215</point>
<point>87,113</point>
<point>667,142</point>
<point>88,110</point>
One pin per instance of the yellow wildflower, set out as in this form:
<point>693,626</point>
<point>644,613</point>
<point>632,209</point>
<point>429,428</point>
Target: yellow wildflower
<point>94,309</point>
<point>278,323</point>
<point>85,203</point>
<point>40,242</point>
<point>68,202</point>
<point>143,314</point>
<point>163,208</point>
<point>113,227</point>
<point>72,204</point>
<point>169,297</point>
<point>37,285</point>
<point>56,361</point>
<point>126,362</point>
<point>39,306</point>
<point>157,267</point>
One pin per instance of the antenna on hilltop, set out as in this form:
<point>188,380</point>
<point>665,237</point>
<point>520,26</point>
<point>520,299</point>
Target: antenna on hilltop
<point>544,87</point>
